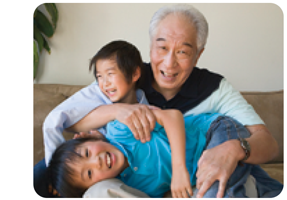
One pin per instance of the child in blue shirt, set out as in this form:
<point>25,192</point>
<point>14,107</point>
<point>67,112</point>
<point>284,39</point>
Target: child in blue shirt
<point>117,77</point>
<point>148,166</point>
<point>167,161</point>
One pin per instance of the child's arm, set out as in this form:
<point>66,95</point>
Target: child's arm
<point>136,115</point>
<point>94,120</point>
<point>173,123</point>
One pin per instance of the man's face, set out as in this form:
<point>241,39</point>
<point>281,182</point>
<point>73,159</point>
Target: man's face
<point>173,54</point>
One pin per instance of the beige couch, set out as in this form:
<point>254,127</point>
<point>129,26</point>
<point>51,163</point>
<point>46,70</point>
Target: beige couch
<point>269,105</point>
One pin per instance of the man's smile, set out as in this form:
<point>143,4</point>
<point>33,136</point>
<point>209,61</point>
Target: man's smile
<point>168,76</point>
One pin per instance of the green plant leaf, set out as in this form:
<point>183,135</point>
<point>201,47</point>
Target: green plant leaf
<point>43,24</point>
<point>43,28</point>
<point>52,10</point>
<point>39,38</point>
<point>46,46</point>
<point>36,58</point>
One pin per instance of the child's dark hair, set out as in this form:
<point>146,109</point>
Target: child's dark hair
<point>126,55</point>
<point>60,171</point>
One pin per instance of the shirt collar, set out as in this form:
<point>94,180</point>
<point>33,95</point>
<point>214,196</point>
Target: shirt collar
<point>190,87</point>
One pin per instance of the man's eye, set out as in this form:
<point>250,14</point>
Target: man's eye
<point>87,153</point>
<point>89,174</point>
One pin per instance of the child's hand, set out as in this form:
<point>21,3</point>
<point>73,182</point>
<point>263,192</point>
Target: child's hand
<point>180,183</point>
<point>90,134</point>
<point>81,135</point>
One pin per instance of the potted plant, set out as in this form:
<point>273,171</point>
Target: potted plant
<point>43,29</point>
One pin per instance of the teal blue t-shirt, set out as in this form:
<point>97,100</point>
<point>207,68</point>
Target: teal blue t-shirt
<point>150,163</point>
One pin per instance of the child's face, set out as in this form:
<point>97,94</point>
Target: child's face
<point>100,160</point>
<point>113,83</point>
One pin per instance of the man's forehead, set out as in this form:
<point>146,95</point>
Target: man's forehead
<point>176,26</point>
<point>184,43</point>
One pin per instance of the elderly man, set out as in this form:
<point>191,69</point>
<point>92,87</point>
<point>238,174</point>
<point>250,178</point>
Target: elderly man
<point>178,36</point>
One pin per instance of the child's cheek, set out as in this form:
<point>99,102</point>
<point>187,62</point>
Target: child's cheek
<point>100,147</point>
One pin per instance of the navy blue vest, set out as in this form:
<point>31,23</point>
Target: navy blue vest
<point>199,85</point>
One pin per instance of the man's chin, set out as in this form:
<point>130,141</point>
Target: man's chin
<point>167,85</point>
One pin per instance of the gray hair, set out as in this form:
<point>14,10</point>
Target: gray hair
<point>195,17</point>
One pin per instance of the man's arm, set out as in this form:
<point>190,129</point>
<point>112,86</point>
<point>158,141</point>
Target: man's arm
<point>228,101</point>
<point>263,145</point>
<point>210,167</point>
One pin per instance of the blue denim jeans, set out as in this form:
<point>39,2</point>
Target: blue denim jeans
<point>224,129</point>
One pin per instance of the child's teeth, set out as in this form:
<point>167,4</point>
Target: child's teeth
<point>112,92</point>
<point>108,160</point>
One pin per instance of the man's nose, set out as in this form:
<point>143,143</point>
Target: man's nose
<point>170,60</point>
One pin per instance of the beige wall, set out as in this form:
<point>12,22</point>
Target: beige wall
<point>245,42</point>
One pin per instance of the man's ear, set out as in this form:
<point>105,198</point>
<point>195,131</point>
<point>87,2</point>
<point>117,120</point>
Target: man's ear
<point>137,74</point>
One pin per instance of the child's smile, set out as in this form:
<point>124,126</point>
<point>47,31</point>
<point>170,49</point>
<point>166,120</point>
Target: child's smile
<point>109,160</point>
<point>111,92</point>
<point>99,160</point>
<point>113,82</point>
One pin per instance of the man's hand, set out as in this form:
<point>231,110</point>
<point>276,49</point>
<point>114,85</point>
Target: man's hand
<point>180,183</point>
<point>215,164</point>
<point>139,118</point>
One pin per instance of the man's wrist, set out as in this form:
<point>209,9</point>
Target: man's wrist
<point>236,148</point>
<point>244,144</point>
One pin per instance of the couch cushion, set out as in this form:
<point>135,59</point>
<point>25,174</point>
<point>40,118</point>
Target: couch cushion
<point>46,98</point>
<point>275,171</point>
<point>269,106</point>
